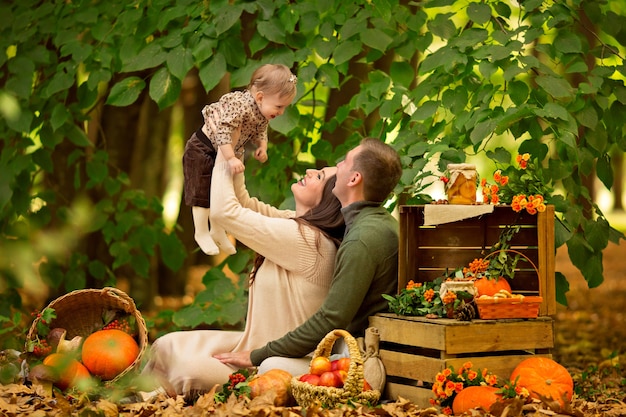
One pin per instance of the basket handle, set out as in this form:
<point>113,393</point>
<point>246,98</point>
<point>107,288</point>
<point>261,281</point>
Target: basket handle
<point>129,304</point>
<point>517,253</point>
<point>354,381</point>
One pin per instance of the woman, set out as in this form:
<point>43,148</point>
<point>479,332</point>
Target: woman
<point>298,251</point>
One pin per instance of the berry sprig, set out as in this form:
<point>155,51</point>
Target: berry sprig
<point>41,348</point>
<point>237,385</point>
<point>122,324</point>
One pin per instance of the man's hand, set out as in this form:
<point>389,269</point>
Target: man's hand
<point>238,359</point>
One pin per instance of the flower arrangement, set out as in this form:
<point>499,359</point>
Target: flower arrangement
<point>417,299</point>
<point>448,383</point>
<point>522,186</point>
<point>424,299</point>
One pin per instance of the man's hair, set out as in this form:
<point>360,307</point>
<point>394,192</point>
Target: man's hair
<point>274,79</point>
<point>380,166</point>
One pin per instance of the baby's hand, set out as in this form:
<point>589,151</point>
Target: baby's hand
<point>236,166</point>
<point>260,154</point>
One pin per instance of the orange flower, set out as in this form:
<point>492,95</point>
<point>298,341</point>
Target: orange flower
<point>483,182</point>
<point>497,175</point>
<point>504,180</point>
<point>471,375</point>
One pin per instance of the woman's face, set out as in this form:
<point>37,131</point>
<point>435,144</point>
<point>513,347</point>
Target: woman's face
<point>307,192</point>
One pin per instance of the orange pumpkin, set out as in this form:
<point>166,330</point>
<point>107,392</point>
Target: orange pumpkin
<point>485,286</point>
<point>68,371</point>
<point>276,380</point>
<point>545,377</point>
<point>107,353</point>
<point>473,397</point>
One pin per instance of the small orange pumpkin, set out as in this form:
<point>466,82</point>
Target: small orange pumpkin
<point>69,372</point>
<point>490,286</point>
<point>473,397</point>
<point>544,376</point>
<point>107,353</point>
<point>276,380</point>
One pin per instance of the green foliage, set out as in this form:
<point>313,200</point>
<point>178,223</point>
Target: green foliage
<point>443,81</point>
<point>418,299</point>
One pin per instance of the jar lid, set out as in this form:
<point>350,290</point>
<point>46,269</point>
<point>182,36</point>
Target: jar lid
<point>461,167</point>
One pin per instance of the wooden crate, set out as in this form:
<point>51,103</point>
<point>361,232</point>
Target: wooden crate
<point>428,252</point>
<point>415,349</point>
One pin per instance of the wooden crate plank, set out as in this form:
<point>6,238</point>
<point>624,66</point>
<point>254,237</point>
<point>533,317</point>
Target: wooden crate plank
<point>502,366</point>
<point>499,335</point>
<point>426,335</point>
<point>425,369</point>
<point>420,396</point>
<point>405,365</point>
<point>545,224</point>
<point>454,337</point>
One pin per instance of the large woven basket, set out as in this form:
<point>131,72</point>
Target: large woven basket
<point>80,313</point>
<point>307,394</point>
<point>509,308</point>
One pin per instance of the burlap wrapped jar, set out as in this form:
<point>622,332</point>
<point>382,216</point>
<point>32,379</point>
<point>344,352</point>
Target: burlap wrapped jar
<point>461,187</point>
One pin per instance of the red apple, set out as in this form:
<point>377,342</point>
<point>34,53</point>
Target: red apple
<point>310,378</point>
<point>342,375</point>
<point>330,379</point>
<point>319,365</point>
<point>341,363</point>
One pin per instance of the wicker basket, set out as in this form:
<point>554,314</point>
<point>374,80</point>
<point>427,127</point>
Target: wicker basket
<point>80,313</point>
<point>509,308</point>
<point>330,397</point>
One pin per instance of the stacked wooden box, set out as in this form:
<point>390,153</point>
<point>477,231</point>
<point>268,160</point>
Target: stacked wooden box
<point>415,349</point>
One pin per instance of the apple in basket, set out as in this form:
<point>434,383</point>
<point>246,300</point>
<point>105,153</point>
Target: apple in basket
<point>340,364</point>
<point>310,378</point>
<point>319,365</point>
<point>330,379</point>
<point>342,375</point>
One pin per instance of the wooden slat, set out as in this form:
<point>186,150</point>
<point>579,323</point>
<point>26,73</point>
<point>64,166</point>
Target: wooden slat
<point>418,395</point>
<point>405,332</point>
<point>453,337</point>
<point>419,368</point>
<point>425,369</point>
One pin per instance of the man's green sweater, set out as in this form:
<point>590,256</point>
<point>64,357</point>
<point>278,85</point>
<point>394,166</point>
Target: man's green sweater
<point>366,267</point>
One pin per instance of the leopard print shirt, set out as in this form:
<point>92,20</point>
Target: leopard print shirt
<point>236,109</point>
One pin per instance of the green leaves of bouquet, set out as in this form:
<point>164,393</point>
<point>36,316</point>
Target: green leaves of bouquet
<point>418,299</point>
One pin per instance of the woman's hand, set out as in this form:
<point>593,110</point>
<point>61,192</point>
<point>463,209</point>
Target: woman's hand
<point>239,359</point>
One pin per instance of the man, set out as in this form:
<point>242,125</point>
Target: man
<point>366,263</point>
